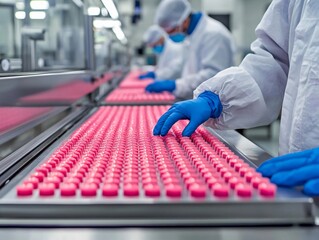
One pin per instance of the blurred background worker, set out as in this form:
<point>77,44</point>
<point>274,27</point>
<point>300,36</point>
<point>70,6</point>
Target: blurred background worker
<point>169,55</point>
<point>209,44</point>
<point>283,73</point>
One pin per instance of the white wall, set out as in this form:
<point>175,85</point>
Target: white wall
<point>253,12</point>
<point>135,32</point>
<point>246,14</point>
<point>197,5</point>
<point>218,6</point>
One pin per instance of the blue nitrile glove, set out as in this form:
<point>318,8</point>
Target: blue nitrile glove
<point>198,111</point>
<point>147,75</point>
<point>295,169</point>
<point>161,86</point>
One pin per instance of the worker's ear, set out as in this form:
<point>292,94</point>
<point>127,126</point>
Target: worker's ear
<point>186,24</point>
<point>162,41</point>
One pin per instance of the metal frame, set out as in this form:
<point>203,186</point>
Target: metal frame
<point>242,146</point>
<point>14,87</point>
<point>29,130</point>
<point>89,43</point>
<point>156,214</point>
<point>13,163</point>
<point>11,6</point>
<point>189,233</point>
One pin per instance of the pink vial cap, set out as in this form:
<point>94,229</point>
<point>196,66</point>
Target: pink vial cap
<point>25,190</point>
<point>68,189</point>
<point>197,191</point>
<point>220,190</point>
<point>152,190</point>
<point>267,190</point>
<point>173,190</point>
<point>46,189</point>
<point>110,190</point>
<point>244,191</point>
<point>131,190</point>
<point>88,190</point>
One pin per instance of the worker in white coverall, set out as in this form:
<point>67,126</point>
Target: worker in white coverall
<point>281,75</point>
<point>209,44</point>
<point>170,55</point>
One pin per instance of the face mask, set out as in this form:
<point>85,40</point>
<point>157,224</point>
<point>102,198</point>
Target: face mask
<point>177,37</point>
<point>158,49</point>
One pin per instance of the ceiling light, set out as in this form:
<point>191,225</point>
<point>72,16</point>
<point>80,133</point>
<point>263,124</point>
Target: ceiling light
<point>119,34</point>
<point>39,5</point>
<point>109,5</point>
<point>37,15</point>
<point>106,23</point>
<point>94,11</point>
<point>20,15</point>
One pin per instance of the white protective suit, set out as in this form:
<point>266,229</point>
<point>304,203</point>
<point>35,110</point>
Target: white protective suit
<point>170,61</point>
<point>210,49</point>
<point>283,73</point>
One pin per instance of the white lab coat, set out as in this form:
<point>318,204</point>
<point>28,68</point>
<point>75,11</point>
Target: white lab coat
<point>282,74</point>
<point>170,61</point>
<point>211,49</point>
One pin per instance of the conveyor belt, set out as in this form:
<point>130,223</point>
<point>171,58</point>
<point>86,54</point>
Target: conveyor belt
<point>112,171</point>
<point>132,81</point>
<point>131,91</point>
<point>138,96</point>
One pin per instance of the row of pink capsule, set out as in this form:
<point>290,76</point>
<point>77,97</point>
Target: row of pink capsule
<point>98,128</point>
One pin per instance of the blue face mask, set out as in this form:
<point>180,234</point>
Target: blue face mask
<point>158,49</point>
<point>177,37</point>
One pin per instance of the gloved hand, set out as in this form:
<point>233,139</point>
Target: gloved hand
<point>161,86</point>
<point>198,111</point>
<point>295,169</point>
<point>147,75</point>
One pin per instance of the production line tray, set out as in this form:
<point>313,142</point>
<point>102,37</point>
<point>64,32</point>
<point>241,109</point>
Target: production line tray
<point>134,96</point>
<point>110,171</point>
<point>131,91</point>
<point>132,81</point>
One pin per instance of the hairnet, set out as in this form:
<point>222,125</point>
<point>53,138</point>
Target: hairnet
<point>172,13</point>
<point>153,34</point>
